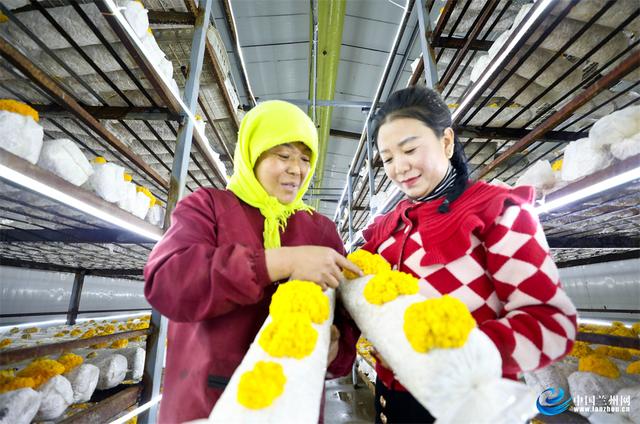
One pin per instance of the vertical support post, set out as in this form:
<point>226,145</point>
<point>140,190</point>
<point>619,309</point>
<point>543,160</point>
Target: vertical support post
<point>154,361</point>
<point>74,301</point>
<point>190,97</point>
<point>372,185</point>
<point>153,367</point>
<point>430,70</point>
<point>349,205</point>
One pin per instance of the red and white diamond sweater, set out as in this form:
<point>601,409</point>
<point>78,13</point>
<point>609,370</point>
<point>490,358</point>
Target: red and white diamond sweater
<point>490,252</point>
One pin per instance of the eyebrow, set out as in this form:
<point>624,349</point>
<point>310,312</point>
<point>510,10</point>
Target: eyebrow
<point>305,151</point>
<point>402,142</point>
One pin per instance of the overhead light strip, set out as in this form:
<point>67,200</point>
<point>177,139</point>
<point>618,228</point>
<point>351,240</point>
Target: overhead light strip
<point>60,196</point>
<point>123,419</point>
<point>596,188</point>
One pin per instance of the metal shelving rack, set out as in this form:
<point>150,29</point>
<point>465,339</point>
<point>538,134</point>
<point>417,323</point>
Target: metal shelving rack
<point>504,135</point>
<point>80,64</point>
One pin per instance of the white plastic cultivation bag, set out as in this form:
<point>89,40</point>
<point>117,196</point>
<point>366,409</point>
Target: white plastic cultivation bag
<point>153,50</point>
<point>113,369</point>
<point>65,159</point>
<point>155,216</point>
<point>135,13</point>
<point>581,158</point>
<point>613,128</point>
<point>135,361</point>
<point>20,135</point>
<point>57,395</point>
<point>83,379</point>
<point>539,175</point>
<point>626,148</point>
<point>128,201</point>
<point>455,385</point>
<point>303,389</point>
<point>19,406</point>
<point>141,205</point>
<point>108,181</point>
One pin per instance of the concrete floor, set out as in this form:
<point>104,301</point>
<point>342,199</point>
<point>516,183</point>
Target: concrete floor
<point>345,404</point>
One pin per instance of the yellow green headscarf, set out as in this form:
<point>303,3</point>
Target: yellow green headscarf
<point>268,125</point>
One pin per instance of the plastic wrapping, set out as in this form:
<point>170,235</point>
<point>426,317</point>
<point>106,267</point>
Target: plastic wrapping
<point>626,148</point>
<point>587,384</point>
<point>581,158</point>
<point>19,406</point>
<point>113,369</point>
<point>135,13</point>
<point>478,69</point>
<point>21,135</point>
<point>128,201</point>
<point>634,410</point>
<point>65,159</point>
<point>615,127</point>
<point>83,379</point>
<point>141,205</point>
<point>57,395</point>
<point>540,176</point>
<point>468,379</point>
<point>108,181</point>
<point>303,390</point>
<point>135,361</point>
<point>155,216</point>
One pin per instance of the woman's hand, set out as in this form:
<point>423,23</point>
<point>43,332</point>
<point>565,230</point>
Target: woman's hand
<point>333,346</point>
<point>321,265</point>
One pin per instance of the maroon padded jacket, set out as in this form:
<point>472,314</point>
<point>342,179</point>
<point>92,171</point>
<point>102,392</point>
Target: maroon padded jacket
<point>208,275</point>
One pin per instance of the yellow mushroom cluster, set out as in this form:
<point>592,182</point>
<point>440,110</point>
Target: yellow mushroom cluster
<point>369,263</point>
<point>387,285</point>
<point>294,308</point>
<point>443,322</point>
<point>599,364</point>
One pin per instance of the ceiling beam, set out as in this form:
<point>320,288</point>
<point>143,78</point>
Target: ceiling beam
<point>111,112</point>
<point>515,134</point>
<point>162,17</point>
<point>458,43</point>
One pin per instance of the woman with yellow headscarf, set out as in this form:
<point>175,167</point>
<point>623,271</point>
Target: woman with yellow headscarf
<point>216,268</point>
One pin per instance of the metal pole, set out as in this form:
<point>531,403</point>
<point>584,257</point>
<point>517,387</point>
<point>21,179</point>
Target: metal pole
<point>154,362</point>
<point>314,54</point>
<point>430,70</point>
<point>190,98</point>
<point>349,206</point>
<point>153,366</point>
<point>74,301</point>
<point>372,186</point>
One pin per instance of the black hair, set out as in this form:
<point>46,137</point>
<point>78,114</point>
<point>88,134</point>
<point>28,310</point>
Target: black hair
<point>425,105</point>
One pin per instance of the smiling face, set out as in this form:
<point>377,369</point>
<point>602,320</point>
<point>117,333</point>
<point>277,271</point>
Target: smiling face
<point>282,169</point>
<point>414,157</point>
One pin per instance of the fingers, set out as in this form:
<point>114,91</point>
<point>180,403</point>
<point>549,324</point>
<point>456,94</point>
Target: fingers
<point>335,333</point>
<point>347,264</point>
<point>332,281</point>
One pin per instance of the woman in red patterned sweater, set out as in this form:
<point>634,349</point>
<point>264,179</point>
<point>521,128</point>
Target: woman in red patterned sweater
<point>478,242</point>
